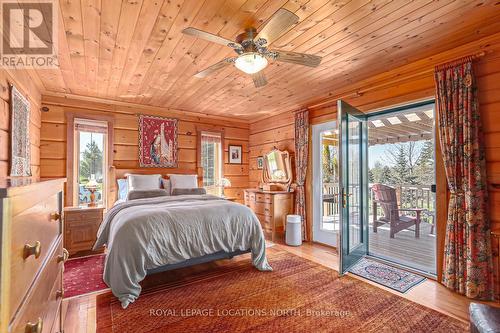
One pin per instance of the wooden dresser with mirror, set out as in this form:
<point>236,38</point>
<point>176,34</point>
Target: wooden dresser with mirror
<point>32,254</point>
<point>273,201</point>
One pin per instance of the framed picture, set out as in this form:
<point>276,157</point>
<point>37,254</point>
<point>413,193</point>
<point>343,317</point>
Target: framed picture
<point>235,154</point>
<point>157,142</point>
<point>260,162</point>
<point>20,134</point>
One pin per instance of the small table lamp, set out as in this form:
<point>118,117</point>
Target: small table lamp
<point>225,183</point>
<point>92,186</point>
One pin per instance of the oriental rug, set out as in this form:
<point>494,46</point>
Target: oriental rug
<point>298,296</point>
<point>83,275</point>
<point>388,276</point>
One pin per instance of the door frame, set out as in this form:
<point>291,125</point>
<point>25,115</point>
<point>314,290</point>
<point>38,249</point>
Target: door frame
<point>316,180</point>
<point>441,195</point>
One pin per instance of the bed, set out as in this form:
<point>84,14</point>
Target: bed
<point>152,235</point>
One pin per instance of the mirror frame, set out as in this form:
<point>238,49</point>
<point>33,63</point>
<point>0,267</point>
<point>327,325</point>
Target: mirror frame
<point>265,174</point>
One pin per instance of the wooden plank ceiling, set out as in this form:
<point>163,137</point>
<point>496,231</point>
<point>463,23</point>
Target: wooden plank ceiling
<point>134,51</point>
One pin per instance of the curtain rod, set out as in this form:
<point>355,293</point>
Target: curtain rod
<point>460,61</point>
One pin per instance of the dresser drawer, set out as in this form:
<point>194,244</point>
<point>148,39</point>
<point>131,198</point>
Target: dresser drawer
<point>34,232</point>
<point>268,198</point>
<point>264,209</point>
<point>83,216</point>
<point>44,299</point>
<point>268,210</point>
<point>264,222</point>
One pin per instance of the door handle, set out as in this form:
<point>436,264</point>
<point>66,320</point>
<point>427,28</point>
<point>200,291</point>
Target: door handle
<point>344,198</point>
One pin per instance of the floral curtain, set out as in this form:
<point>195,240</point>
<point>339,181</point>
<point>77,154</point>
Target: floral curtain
<point>468,257</point>
<point>301,155</point>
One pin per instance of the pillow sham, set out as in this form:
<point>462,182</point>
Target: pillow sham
<point>142,194</point>
<point>183,181</point>
<point>166,185</point>
<point>189,191</point>
<point>143,182</point>
<point>122,189</point>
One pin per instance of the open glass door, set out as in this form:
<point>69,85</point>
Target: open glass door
<point>353,204</point>
<point>325,183</point>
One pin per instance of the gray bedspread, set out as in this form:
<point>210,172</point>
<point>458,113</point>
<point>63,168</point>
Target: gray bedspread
<point>148,233</point>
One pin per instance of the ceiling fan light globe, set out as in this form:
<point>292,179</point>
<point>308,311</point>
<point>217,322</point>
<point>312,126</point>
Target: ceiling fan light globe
<point>251,62</point>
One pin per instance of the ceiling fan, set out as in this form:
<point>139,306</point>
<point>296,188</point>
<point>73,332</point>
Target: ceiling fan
<point>252,50</point>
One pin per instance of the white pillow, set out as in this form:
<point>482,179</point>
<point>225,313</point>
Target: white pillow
<point>183,181</point>
<point>143,182</point>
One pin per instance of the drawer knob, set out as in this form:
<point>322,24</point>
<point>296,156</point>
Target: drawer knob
<point>34,327</point>
<point>30,250</point>
<point>64,257</point>
<point>55,216</point>
<point>59,294</point>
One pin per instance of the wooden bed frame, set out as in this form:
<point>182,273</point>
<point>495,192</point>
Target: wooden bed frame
<point>198,260</point>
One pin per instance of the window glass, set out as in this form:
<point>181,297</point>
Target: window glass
<point>90,149</point>
<point>211,162</point>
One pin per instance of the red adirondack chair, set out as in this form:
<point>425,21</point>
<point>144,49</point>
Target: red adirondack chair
<point>386,197</point>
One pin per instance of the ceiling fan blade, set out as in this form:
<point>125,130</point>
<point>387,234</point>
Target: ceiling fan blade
<point>277,25</point>
<point>259,79</point>
<point>210,37</point>
<point>296,58</point>
<point>215,67</point>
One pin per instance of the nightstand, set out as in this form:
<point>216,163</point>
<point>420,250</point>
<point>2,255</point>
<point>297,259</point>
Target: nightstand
<point>80,229</point>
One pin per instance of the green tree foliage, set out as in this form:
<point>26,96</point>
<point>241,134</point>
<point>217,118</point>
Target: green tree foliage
<point>380,174</point>
<point>327,163</point>
<point>425,166</point>
<point>91,162</point>
<point>330,164</point>
<point>409,163</point>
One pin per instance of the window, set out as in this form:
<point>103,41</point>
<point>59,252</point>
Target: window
<point>90,161</point>
<point>211,162</point>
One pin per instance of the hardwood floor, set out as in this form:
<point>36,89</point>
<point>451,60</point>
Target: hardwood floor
<point>80,312</point>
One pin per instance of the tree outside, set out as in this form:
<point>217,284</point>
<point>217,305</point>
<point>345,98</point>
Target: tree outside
<point>91,163</point>
<point>330,164</point>
<point>409,163</point>
<point>403,164</point>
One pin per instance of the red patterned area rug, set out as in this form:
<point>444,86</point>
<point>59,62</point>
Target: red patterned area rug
<point>83,275</point>
<point>298,296</point>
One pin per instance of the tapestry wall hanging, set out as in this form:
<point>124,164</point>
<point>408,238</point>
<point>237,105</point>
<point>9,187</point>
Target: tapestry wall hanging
<point>157,142</point>
<point>20,134</point>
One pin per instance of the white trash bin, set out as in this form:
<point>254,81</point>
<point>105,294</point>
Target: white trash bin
<point>293,230</point>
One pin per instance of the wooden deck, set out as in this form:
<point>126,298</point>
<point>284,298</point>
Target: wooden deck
<point>404,248</point>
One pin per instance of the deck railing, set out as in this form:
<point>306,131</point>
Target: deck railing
<point>409,196</point>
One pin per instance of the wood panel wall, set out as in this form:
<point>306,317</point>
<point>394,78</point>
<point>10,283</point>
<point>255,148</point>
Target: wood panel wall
<point>126,138</point>
<point>25,83</point>
<point>410,83</point>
